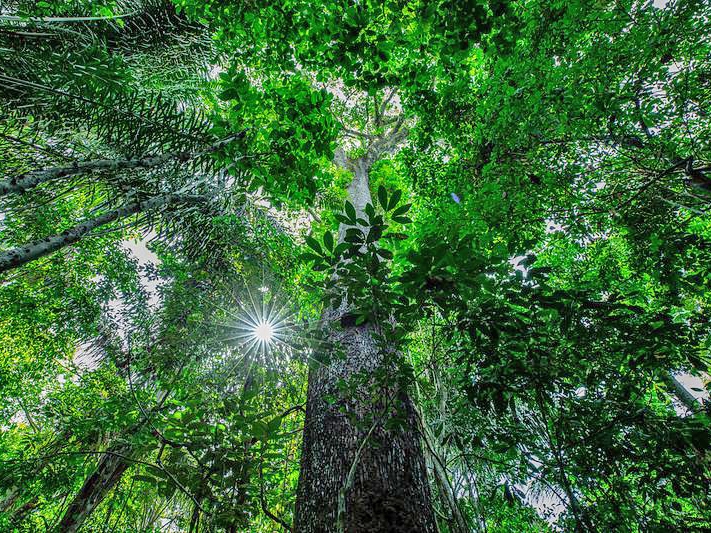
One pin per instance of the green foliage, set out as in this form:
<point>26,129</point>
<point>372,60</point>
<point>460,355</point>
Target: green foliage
<point>534,251</point>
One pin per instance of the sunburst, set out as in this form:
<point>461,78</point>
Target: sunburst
<point>262,326</point>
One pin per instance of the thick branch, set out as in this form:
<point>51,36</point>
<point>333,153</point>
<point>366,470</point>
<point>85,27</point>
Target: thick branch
<point>389,141</point>
<point>380,110</point>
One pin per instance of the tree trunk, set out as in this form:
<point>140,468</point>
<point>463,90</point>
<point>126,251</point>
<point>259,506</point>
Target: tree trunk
<point>9,499</point>
<point>29,180</point>
<point>357,475</point>
<point>682,394</point>
<point>95,488</point>
<point>21,255</point>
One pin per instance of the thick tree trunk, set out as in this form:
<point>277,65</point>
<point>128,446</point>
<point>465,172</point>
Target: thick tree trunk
<point>21,255</point>
<point>357,475</point>
<point>390,490</point>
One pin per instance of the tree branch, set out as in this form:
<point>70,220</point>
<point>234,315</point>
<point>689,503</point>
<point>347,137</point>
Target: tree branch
<point>263,502</point>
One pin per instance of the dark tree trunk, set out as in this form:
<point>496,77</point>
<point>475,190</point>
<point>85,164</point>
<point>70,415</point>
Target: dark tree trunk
<point>390,490</point>
<point>95,488</point>
<point>356,475</point>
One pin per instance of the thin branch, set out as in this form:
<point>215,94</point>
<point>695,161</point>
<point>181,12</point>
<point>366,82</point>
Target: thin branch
<point>380,112</point>
<point>263,502</point>
<point>357,134</point>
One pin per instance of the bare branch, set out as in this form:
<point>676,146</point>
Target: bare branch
<point>357,134</point>
<point>380,111</point>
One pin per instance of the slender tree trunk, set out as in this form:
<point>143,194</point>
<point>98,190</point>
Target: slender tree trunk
<point>95,488</point>
<point>105,477</point>
<point>110,469</point>
<point>458,524</point>
<point>580,514</point>
<point>29,180</point>
<point>356,475</point>
<point>9,499</point>
<point>21,255</point>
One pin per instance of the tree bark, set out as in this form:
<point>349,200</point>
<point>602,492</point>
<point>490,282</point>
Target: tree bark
<point>29,180</point>
<point>95,488</point>
<point>21,255</point>
<point>687,399</point>
<point>379,473</point>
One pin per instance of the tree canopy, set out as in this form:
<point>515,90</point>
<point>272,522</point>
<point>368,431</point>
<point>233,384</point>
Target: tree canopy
<point>406,265</point>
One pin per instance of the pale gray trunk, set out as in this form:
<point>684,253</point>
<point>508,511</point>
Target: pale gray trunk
<point>30,180</point>
<point>389,490</point>
<point>21,255</point>
<point>682,393</point>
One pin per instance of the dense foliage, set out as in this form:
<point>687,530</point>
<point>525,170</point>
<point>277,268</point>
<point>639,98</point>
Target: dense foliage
<point>178,215</point>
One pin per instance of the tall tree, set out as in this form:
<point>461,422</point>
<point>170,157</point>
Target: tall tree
<point>358,470</point>
<point>494,213</point>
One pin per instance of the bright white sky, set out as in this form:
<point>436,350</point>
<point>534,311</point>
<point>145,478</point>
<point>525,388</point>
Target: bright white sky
<point>139,250</point>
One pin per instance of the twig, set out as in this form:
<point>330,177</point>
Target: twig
<point>263,502</point>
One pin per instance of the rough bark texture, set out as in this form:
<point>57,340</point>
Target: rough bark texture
<point>389,490</point>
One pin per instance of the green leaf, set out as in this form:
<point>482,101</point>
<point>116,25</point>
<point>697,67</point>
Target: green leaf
<point>401,210</point>
<point>369,210</point>
<point>341,249</point>
<point>350,213</point>
<point>374,234</point>
<point>274,424</point>
<point>383,197</point>
<point>328,241</point>
<point>394,199</point>
<point>308,256</point>
<point>314,245</point>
